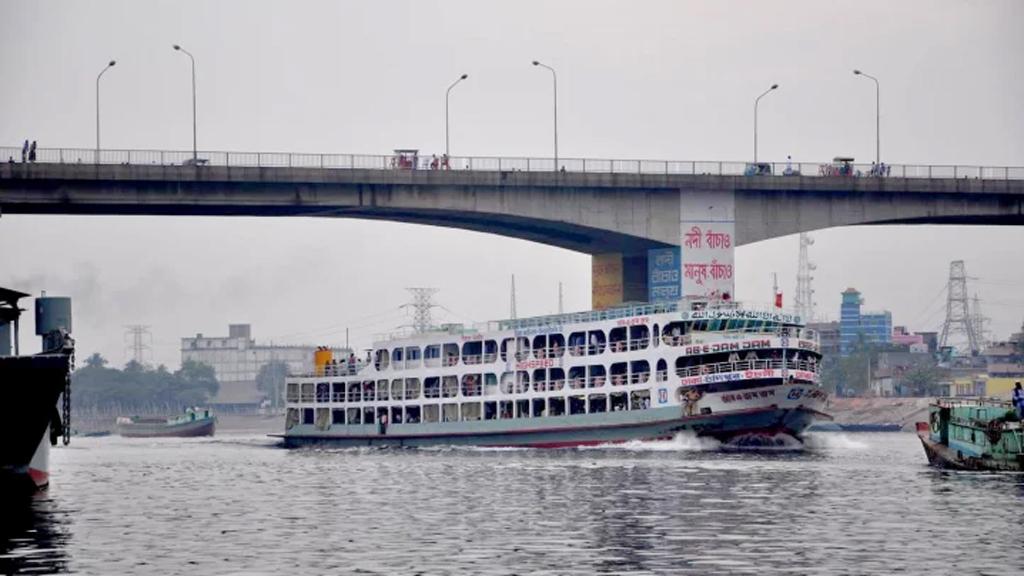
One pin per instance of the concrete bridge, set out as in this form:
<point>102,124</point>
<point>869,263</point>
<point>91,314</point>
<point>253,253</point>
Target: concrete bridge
<point>598,207</point>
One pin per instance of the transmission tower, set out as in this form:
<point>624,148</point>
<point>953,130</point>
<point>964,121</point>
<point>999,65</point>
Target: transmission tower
<point>979,320</point>
<point>138,334</point>
<point>804,299</point>
<point>422,303</point>
<point>958,314</point>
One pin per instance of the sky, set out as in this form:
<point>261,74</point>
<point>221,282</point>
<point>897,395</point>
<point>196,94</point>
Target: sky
<point>640,79</point>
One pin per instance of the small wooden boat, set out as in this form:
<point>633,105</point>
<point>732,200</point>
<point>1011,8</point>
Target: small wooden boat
<point>193,422</point>
<point>973,434</point>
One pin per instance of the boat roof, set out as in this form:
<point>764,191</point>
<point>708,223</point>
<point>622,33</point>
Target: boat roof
<point>11,297</point>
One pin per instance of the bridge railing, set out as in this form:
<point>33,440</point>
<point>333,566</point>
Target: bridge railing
<point>509,164</point>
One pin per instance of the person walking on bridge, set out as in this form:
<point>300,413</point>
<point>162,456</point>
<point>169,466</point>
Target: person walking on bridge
<point>32,152</point>
<point>24,151</point>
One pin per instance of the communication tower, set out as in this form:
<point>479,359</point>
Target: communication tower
<point>804,298</point>
<point>958,313</point>
<point>422,303</point>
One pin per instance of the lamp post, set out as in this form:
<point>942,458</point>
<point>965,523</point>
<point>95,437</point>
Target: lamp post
<point>449,91</point>
<point>195,155</point>
<point>100,75</point>
<point>756,101</point>
<point>554,79</point>
<point>878,137</point>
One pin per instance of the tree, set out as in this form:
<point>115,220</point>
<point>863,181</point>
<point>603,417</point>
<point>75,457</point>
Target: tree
<point>138,388</point>
<point>270,381</point>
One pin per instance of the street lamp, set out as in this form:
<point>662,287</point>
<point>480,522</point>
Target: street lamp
<point>756,101</point>
<point>449,91</point>
<point>195,155</point>
<point>554,78</point>
<point>878,137</point>
<point>102,72</point>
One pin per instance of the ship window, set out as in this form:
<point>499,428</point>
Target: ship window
<point>355,394</point>
<point>432,355</point>
<point>293,392</point>
<point>540,346</point>
<point>619,374</point>
<point>432,387</point>
<point>450,354</point>
<point>369,391</point>
<point>397,389</point>
<point>598,403</point>
<point>412,414</point>
<point>368,416</point>
<point>307,415</point>
<point>522,381</point>
<point>522,408</point>
<point>556,406</point>
<point>450,412</point>
<point>577,404</point>
<point>323,418</point>
<point>674,333</point>
<point>577,343</point>
<point>507,382</point>
<point>505,409</point>
<point>700,326</point>
<point>656,338</point>
<point>307,392</point>
<point>577,375</point>
<point>396,358</point>
<point>412,357</point>
<point>396,415</point>
<point>338,394</point>
<point>490,410</point>
<point>556,379</point>
<point>382,412</point>
<point>597,342</point>
<point>505,344</point>
<point>490,351</point>
<point>617,339</point>
<point>556,345</point>
<point>539,408</point>
<point>522,349</point>
<point>596,377</point>
<point>640,400</point>
<point>662,371</point>
<point>639,337</point>
<point>382,390</point>
<point>292,419</point>
<point>619,401</point>
<point>490,384</point>
<point>472,352</point>
<point>354,416</point>
<point>449,386</point>
<point>540,380</point>
<point>323,392</point>
<point>412,388</point>
<point>640,371</point>
<point>471,385</point>
<point>431,413</point>
<point>470,411</point>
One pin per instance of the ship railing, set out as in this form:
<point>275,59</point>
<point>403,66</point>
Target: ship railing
<point>720,367</point>
<point>973,401</point>
<point>307,397</point>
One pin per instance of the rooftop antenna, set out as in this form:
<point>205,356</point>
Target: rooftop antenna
<point>513,303</point>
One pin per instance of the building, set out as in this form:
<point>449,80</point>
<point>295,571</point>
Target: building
<point>828,334</point>
<point>854,325</point>
<point>902,337</point>
<point>236,359</point>
<point>1005,365</point>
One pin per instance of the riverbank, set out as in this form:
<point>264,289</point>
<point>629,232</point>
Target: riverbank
<point>903,411</point>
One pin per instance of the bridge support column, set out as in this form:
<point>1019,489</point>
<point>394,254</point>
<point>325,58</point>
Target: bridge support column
<point>617,278</point>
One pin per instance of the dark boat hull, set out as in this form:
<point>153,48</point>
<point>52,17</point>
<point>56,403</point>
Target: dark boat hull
<point>942,456</point>
<point>30,386</point>
<point>194,429</point>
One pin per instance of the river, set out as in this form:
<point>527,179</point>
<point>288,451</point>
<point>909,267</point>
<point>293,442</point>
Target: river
<point>239,504</point>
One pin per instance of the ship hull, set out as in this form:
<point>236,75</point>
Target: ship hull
<point>33,384</point>
<point>942,456</point>
<point>155,430</point>
<point>572,431</point>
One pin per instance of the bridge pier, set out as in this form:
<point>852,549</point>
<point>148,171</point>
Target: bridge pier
<point>617,278</point>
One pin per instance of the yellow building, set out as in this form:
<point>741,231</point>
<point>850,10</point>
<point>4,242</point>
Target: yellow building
<point>1001,387</point>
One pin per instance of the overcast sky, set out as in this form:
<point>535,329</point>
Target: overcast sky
<point>660,80</point>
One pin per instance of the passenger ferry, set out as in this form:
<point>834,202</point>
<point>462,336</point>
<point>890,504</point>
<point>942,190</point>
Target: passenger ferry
<point>628,373</point>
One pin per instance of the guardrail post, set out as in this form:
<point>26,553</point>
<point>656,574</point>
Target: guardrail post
<point>321,161</point>
<point>499,163</point>
<point>259,159</point>
<point>956,173</point>
<point>527,164</point>
<point>929,171</point>
<point>638,170</point>
<point>227,159</point>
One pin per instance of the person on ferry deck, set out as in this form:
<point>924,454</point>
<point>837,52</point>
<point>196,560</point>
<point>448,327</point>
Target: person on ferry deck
<point>1018,400</point>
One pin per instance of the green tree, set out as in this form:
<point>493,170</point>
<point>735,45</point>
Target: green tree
<point>270,381</point>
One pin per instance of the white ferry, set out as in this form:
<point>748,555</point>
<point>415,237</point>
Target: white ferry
<point>635,372</point>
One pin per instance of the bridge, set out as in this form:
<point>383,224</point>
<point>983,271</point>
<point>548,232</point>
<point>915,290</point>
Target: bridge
<point>616,210</point>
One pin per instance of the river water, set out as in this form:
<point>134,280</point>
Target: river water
<point>850,504</point>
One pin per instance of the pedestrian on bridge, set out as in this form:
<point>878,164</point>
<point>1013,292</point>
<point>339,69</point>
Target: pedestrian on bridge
<point>24,151</point>
<point>32,152</point>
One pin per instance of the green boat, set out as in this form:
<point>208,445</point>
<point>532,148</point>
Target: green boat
<point>973,434</point>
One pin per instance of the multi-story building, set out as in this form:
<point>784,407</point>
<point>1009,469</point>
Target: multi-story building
<point>1005,365</point>
<point>828,334</point>
<point>236,359</point>
<point>873,327</point>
